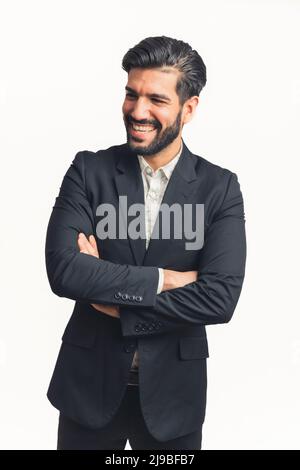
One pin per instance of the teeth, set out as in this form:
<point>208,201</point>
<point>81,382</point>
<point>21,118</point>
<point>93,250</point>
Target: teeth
<point>142,128</point>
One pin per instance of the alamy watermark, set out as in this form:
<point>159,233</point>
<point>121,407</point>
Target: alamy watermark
<point>176,221</point>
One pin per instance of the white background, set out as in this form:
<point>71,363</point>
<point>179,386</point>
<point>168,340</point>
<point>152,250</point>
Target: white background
<point>61,91</point>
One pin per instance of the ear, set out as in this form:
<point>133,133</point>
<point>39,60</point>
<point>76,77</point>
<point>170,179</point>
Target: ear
<point>189,109</point>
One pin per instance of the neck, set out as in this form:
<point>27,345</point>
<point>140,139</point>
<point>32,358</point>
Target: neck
<point>165,156</point>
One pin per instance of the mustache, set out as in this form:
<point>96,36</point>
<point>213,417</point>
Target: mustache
<point>130,120</point>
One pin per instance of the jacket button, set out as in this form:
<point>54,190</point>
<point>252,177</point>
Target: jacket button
<point>139,298</point>
<point>117,295</point>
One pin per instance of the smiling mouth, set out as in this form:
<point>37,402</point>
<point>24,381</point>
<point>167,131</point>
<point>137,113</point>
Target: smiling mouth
<point>142,127</point>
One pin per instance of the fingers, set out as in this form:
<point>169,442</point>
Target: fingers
<point>94,244</point>
<point>92,241</point>
<point>111,310</point>
<point>84,245</point>
<point>88,246</point>
<point>193,276</point>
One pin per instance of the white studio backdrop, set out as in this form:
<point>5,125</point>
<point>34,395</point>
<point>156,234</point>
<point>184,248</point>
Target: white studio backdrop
<point>61,91</point>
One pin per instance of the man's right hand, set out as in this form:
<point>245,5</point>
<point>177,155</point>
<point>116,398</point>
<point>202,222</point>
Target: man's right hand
<point>174,279</point>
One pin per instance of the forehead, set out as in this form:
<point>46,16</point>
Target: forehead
<point>159,80</point>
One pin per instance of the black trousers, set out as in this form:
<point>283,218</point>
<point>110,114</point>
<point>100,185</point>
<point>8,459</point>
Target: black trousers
<point>128,423</point>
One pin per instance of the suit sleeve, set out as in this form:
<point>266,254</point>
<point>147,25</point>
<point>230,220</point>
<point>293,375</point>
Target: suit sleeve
<point>213,297</point>
<point>82,277</point>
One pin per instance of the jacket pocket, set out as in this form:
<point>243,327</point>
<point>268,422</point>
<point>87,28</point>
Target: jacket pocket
<point>81,329</point>
<point>193,347</point>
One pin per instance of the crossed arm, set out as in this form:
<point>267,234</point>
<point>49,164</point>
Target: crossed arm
<point>172,279</point>
<point>78,274</point>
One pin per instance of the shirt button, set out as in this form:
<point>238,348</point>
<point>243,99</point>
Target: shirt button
<point>148,171</point>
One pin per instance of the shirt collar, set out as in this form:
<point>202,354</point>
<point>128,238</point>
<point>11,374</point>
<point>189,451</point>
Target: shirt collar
<point>166,169</point>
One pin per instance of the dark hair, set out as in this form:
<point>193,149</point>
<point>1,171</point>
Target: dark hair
<point>162,51</point>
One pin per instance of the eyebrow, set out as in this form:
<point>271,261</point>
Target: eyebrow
<point>151,95</point>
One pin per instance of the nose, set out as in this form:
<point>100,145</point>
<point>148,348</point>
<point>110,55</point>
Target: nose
<point>140,110</point>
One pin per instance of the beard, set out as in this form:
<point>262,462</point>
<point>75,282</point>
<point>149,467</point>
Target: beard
<point>160,141</point>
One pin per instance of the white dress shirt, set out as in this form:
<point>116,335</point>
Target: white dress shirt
<point>155,183</point>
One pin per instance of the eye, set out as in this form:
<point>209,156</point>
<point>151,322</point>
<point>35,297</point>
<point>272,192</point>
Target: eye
<point>156,100</point>
<point>130,95</point>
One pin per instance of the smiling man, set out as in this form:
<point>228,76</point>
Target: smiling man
<point>132,364</point>
<point>160,134</point>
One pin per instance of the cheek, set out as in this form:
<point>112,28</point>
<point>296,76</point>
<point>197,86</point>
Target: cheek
<point>164,117</point>
<point>125,107</point>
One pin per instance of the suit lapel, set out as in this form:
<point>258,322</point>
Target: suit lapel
<point>129,183</point>
<point>180,187</point>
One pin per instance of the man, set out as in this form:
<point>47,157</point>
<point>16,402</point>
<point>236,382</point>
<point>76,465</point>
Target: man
<point>132,364</point>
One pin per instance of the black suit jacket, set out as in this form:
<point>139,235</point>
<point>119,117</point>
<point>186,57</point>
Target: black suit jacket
<point>93,364</point>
